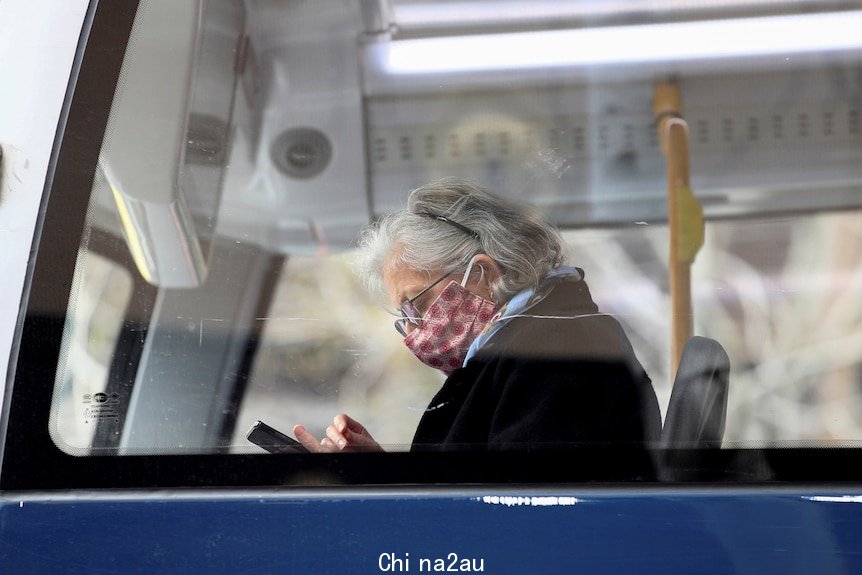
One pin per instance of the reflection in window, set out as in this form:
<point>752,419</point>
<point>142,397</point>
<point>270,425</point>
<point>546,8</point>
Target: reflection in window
<point>96,312</point>
<point>775,158</point>
<point>327,349</point>
<point>781,295</point>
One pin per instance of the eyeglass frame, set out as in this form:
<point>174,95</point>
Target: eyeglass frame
<point>409,313</point>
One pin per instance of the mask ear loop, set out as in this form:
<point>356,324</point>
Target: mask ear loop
<point>469,269</point>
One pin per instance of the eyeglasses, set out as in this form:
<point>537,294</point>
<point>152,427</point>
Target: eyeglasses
<point>409,313</point>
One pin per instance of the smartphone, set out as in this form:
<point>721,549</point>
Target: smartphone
<point>273,440</point>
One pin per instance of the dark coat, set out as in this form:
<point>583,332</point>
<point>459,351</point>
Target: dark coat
<point>546,383</point>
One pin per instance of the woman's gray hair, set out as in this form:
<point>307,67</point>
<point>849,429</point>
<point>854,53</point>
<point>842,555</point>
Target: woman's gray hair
<point>513,235</point>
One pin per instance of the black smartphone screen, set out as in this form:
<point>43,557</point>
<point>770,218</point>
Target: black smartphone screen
<point>273,440</point>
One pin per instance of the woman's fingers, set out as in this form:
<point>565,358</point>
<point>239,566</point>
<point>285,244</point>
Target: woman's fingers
<point>307,440</point>
<point>356,437</point>
<point>336,436</point>
<point>345,434</point>
<point>346,425</point>
<point>327,445</point>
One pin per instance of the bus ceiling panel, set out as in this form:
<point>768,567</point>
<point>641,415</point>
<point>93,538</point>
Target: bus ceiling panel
<point>331,136</point>
<point>589,154</point>
<point>166,141</point>
<point>304,129</point>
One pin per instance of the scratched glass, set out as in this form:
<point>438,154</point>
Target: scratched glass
<point>290,142</point>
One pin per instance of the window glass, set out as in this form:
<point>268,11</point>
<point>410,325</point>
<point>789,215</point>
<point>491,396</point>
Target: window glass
<point>237,173</point>
<point>327,348</point>
<point>788,317</point>
<point>82,400</point>
<point>780,294</point>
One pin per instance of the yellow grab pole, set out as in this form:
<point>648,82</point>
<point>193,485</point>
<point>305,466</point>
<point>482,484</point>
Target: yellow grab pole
<point>685,216</point>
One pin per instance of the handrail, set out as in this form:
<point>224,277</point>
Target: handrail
<point>685,215</point>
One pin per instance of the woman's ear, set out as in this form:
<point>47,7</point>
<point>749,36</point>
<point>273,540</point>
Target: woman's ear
<point>483,275</point>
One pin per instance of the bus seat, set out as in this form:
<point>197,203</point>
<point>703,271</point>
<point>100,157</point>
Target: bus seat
<point>697,409</point>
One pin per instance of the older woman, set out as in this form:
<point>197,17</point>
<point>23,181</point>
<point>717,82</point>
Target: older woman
<point>485,298</point>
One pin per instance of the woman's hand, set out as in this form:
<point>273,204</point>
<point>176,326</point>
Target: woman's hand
<point>345,434</point>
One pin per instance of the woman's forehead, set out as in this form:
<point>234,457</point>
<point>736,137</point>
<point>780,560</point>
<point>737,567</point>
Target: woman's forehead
<point>402,281</point>
<point>397,273</point>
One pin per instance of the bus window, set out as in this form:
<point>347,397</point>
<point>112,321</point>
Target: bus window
<point>197,264</point>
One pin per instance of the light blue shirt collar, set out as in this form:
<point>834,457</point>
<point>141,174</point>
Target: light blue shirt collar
<point>518,304</point>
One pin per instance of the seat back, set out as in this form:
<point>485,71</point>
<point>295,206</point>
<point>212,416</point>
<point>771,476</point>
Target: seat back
<point>698,403</point>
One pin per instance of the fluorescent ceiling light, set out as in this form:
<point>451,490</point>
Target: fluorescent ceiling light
<point>704,40</point>
<point>437,14</point>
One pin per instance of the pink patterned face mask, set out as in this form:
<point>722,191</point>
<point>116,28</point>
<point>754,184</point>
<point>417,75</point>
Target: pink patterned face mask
<point>449,326</point>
